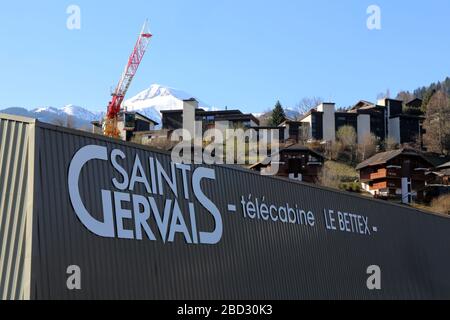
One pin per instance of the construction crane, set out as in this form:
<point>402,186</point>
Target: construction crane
<point>110,127</point>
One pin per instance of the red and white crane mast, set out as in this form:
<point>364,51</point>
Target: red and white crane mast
<point>115,105</point>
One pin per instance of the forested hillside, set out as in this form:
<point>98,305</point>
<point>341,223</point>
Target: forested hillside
<point>426,92</point>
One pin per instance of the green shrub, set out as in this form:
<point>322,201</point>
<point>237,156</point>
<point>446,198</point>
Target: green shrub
<point>350,186</point>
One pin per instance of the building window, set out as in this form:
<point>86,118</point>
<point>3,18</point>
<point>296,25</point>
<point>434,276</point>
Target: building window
<point>208,119</point>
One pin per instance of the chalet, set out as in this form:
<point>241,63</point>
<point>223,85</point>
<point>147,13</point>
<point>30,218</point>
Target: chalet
<point>438,180</point>
<point>395,174</point>
<point>415,104</point>
<point>441,174</point>
<point>295,162</point>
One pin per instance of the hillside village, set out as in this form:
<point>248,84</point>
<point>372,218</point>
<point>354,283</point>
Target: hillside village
<point>396,149</point>
<point>247,152</point>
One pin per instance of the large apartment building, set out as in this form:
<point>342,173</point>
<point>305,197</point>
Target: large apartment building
<point>228,119</point>
<point>388,118</point>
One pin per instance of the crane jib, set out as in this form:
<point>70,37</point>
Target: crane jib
<point>110,129</point>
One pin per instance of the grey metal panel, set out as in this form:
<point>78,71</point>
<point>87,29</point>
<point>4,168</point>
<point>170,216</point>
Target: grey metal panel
<point>254,259</point>
<point>16,200</point>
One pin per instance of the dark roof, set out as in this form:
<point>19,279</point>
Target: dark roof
<point>300,147</point>
<point>379,158</point>
<point>365,107</point>
<point>436,159</point>
<point>384,157</point>
<point>346,113</point>
<point>204,112</point>
<point>444,166</point>
<point>390,99</point>
<point>267,128</point>
<point>413,101</point>
<point>360,104</point>
<point>154,131</point>
<point>408,116</point>
<point>220,114</point>
<point>289,121</point>
<point>237,117</point>
<point>141,116</point>
<point>99,123</point>
<point>293,148</point>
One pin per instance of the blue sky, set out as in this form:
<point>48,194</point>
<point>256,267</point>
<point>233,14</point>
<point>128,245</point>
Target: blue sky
<point>240,54</point>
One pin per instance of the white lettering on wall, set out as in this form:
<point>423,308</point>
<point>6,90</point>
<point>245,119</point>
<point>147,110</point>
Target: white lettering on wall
<point>128,215</point>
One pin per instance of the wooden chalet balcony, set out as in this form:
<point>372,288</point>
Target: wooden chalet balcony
<point>379,185</point>
<point>396,183</point>
<point>384,173</point>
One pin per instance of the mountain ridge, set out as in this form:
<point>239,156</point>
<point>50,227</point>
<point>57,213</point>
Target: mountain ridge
<point>149,102</point>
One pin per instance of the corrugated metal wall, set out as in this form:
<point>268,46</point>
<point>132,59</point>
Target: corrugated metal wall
<point>16,201</point>
<point>254,260</point>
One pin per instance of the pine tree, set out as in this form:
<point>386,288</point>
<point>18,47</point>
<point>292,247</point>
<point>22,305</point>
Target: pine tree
<point>447,85</point>
<point>278,115</point>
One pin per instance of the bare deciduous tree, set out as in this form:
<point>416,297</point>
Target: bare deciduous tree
<point>390,144</point>
<point>307,103</point>
<point>405,96</point>
<point>384,95</point>
<point>346,135</point>
<point>437,125</point>
<point>415,144</point>
<point>367,147</point>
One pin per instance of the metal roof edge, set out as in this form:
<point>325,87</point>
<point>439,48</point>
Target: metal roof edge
<point>13,117</point>
<point>228,167</point>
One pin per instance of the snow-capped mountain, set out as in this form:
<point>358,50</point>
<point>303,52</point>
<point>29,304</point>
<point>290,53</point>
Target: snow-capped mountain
<point>78,115</point>
<point>291,113</point>
<point>157,98</point>
<point>149,102</point>
<point>265,116</point>
<point>69,115</point>
<point>82,113</point>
